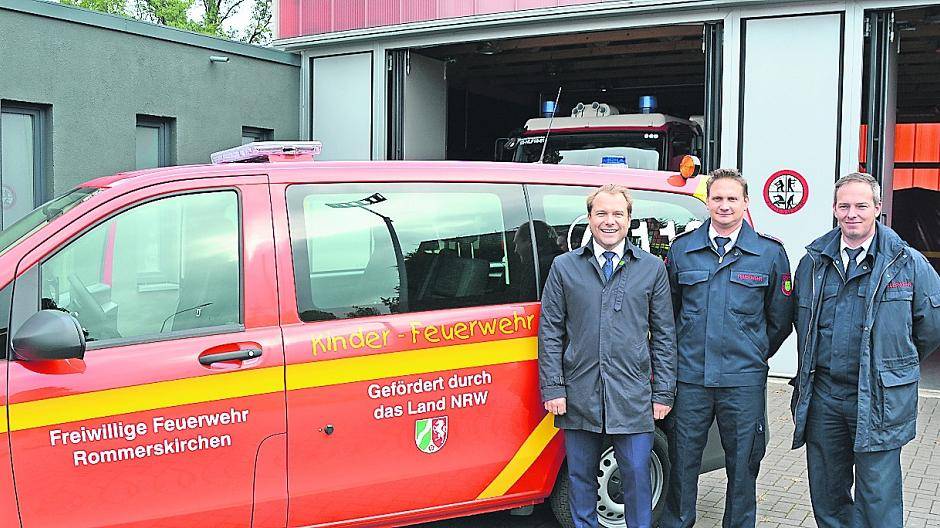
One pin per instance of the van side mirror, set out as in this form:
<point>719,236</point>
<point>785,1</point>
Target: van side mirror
<point>49,335</point>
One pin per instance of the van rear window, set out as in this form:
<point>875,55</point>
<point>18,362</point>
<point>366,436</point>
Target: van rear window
<point>658,217</point>
<point>372,249</point>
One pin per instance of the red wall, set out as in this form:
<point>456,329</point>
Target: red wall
<point>310,17</point>
<point>914,143</point>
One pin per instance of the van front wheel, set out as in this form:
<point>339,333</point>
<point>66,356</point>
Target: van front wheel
<point>610,510</point>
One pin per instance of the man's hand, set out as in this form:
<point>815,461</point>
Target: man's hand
<point>557,406</point>
<point>659,411</point>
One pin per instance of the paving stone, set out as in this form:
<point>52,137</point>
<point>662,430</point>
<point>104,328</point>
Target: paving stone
<point>782,485</point>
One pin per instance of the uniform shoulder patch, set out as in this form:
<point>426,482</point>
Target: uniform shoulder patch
<point>770,237</point>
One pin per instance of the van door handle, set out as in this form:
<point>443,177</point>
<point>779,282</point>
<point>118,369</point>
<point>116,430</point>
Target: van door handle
<point>237,355</point>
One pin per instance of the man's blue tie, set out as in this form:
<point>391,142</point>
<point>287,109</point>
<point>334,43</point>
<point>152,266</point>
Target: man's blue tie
<point>720,243</point>
<point>852,264</point>
<point>608,267</point>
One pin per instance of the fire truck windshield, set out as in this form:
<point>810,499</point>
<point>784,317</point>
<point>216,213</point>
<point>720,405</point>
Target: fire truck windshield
<point>640,150</point>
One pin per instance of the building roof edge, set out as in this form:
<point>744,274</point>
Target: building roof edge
<point>523,16</point>
<point>88,17</point>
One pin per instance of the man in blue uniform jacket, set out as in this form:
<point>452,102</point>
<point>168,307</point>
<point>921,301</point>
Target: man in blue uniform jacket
<point>868,310</point>
<point>731,298</point>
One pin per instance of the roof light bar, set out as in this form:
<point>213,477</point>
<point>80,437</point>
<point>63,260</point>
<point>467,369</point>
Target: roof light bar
<point>262,151</point>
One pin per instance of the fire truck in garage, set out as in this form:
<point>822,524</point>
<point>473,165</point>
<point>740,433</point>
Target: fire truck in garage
<point>598,134</point>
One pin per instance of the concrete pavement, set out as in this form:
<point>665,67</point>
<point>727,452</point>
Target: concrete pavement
<point>782,487</point>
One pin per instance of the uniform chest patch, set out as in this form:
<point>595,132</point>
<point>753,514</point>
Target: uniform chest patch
<point>751,279</point>
<point>900,284</point>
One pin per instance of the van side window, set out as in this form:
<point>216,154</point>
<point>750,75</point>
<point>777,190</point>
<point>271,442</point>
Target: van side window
<point>164,266</point>
<point>657,216</point>
<point>372,249</point>
<point>6,298</point>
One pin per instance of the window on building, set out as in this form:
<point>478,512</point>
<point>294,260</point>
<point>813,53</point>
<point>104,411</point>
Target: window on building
<point>251,134</point>
<point>97,275</point>
<point>154,141</point>
<point>374,249</point>
<point>23,152</point>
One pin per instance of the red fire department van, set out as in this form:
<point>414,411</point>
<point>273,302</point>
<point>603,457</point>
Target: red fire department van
<point>295,344</point>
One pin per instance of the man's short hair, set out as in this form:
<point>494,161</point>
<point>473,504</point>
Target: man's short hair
<point>611,188</point>
<point>859,177</point>
<point>724,174</point>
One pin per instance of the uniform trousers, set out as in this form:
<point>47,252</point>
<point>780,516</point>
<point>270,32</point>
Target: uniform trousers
<point>583,450</point>
<point>740,412</point>
<point>830,457</point>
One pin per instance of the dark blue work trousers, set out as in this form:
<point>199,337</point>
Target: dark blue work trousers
<point>830,435</point>
<point>583,449</point>
<point>741,422</point>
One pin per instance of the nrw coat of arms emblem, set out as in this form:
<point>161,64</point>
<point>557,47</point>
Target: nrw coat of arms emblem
<point>431,434</point>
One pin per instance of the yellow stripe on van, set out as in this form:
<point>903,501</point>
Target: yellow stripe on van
<point>523,459</point>
<point>125,400</point>
<point>701,192</point>
<point>408,362</point>
<point>165,394</point>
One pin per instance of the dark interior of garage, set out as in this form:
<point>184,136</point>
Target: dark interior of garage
<point>494,86</point>
<point>915,211</point>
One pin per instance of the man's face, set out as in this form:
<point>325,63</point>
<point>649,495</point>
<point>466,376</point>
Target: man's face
<point>609,219</point>
<point>726,205</point>
<point>856,212</point>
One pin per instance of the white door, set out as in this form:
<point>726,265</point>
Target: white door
<point>341,113</point>
<point>790,117</point>
<point>425,109</point>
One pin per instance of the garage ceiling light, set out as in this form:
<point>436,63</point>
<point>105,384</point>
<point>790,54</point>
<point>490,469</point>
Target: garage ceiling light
<point>488,48</point>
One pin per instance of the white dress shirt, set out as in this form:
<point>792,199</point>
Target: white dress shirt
<point>599,252</point>
<point>733,236</point>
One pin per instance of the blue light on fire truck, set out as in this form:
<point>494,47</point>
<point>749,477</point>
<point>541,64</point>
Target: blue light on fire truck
<point>647,104</point>
<point>614,161</point>
<point>548,108</point>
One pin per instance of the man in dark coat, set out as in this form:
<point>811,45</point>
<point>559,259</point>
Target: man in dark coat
<point>868,313</point>
<point>607,357</point>
<point>731,295</point>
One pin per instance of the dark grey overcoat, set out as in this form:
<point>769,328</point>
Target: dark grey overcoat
<point>609,347</point>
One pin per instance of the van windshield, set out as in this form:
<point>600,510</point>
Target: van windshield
<point>42,215</point>
<point>637,150</point>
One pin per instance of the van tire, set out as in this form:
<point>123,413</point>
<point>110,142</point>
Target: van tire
<point>612,517</point>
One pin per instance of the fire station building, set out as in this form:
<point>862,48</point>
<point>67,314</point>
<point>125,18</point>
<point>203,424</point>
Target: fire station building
<point>795,94</point>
